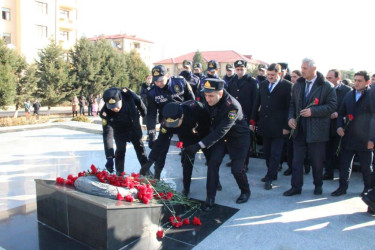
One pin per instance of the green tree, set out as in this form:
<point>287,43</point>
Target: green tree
<point>253,69</point>
<point>198,58</point>
<point>53,73</point>
<point>137,70</point>
<point>347,74</point>
<point>11,66</point>
<point>25,83</point>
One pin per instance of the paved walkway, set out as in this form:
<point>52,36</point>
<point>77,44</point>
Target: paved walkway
<point>268,221</point>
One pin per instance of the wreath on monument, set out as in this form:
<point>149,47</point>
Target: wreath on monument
<point>135,188</point>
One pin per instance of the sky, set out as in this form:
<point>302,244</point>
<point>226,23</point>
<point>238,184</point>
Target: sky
<point>336,34</point>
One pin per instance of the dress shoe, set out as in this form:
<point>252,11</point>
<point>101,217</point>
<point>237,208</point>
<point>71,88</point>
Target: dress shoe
<point>264,179</point>
<point>209,204</point>
<point>185,192</point>
<point>307,168</point>
<point>219,187</point>
<point>370,203</point>
<point>292,192</point>
<point>318,190</point>
<point>157,174</point>
<point>229,164</point>
<point>370,211</point>
<point>268,185</point>
<point>365,191</point>
<point>327,177</point>
<point>243,198</point>
<point>288,172</point>
<point>338,192</point>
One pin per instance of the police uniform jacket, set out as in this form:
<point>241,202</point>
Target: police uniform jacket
<point>270,111</point>
<point>227,79</point>
<point>317,125</point>
<point>192,79</point>
<point>358,131</point>
<point>195,125</point>
<point>226,121</point>
<point>176,90</point>
<point>244,90</point>
<point>144,89</point>
<point>128,116</point>
<point>341,91</point>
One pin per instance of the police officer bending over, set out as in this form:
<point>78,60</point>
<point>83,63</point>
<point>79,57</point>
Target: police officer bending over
<point>190,121</point>
<point>227,129</point>
<point>166,89</point>
<point>120,119</point>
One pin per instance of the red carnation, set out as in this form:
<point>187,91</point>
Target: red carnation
<point>145,200</point>
<point>178,224</point>
<point>93,169</point>
<point>70,177</point>
<point>60,180</point>
<point>169,195</point>
<point>180,144</point>
<point>316,101</point>
<point>160,234</point>
<point>197,221</point>
<point>186,221</point>
<point>69,182</point>
<point>252,122</point>
<point>351,117</point>
<point>119,197</point>
<point>129,198</point>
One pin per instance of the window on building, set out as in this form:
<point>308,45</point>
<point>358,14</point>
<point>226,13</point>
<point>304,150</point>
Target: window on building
<point>137,45</point>
<point>41,31</point>
<point>6,37</point>
<point>5,13</point>
<point>64,13</point>
<point>64,35</point>
<point>42,8</point>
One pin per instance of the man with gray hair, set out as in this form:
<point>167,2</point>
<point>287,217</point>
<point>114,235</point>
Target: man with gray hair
<point>312,103</point>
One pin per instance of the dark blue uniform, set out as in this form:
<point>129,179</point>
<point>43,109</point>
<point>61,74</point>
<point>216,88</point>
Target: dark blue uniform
<point>176,90</point>
<point>124,126</point>
<point>195,125</point>
<point>192,79</point>
<point>227,79</point>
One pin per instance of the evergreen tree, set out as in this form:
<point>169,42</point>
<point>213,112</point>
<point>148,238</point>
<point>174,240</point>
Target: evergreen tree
<point>348,74</point>
<point>53,73</point>
<point>137,69</point>
<point>198,58</point>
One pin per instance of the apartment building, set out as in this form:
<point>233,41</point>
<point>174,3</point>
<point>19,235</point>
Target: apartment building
<point>27,25</point>
<point>126,43</point>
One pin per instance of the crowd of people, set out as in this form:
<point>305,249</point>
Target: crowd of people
<point>310,120</point>
<point>36,107</point>
<point>94,105</point>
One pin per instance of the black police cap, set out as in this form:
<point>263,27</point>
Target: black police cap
<point>262,67</point>
<point>172,113</point>
<point>212,65</point>
<point>283,65</point>
<point>240,63</point>
<point>212,84</point>
<point>112,98</point>
<point>187,63</point>
<point>197,66</point>
<point>158,72</point>
<point>229,66</point>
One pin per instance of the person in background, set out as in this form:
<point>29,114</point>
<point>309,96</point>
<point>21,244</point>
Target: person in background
<point>94,107</point>
<point>295,75</point>
<point>82,103</point>
<point>27,107</point>
<point>372,82</point>
<point>229,73</point>
<point>36,106</point>
<point>145,87</point>
<point>75,104</point>
<point>89,106</point>
<point>261,73</point>
<point>186,73</point>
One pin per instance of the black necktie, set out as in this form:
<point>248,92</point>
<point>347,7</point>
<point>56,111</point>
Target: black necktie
<point>307,90</point>
<point>270,86</point>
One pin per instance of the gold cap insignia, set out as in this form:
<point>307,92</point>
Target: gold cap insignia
<point>211,65</point>
<point>171,120</point>
<point>239,62</point>
<point>111,101</point>
<point>207,84</point>
<point>156,73</point>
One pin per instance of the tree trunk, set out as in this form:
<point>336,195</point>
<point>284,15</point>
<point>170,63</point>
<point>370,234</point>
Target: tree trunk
<point>49,110</point>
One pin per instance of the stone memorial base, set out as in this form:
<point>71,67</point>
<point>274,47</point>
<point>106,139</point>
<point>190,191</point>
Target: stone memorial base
<point>99,222</point>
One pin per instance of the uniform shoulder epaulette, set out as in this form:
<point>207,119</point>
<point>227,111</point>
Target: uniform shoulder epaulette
<point>190,103</point>
<point>229,102</point>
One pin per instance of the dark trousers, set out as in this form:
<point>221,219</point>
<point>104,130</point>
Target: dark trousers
<point>187,161</point>
<point>237,151</point>
<point>332,161</point>
<point>316,154</point>
<point>272,148</point>
<point>89,110</point>
<point>121,137</point>
<point>81,110</point>
<point>346,160</point>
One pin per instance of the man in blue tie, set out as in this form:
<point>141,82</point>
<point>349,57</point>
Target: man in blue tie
<point>312,103</point>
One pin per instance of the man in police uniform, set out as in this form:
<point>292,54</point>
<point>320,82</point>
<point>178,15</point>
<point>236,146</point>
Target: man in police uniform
<point>166,89</point>
<point>190,121</point>
<point>244,89</point>
<point>192,79</point>
<point>198,70</point>
<point>230,73</point>
<point>120,120</point>
<point>228,129</point>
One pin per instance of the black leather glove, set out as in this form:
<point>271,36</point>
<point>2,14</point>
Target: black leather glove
<point>192,149</point>
<point>145,169</point>
<point>109,165</point>
<point>151,140</point>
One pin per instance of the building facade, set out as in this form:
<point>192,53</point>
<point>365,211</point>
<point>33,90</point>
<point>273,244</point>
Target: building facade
<point>28,25</point>
<point>126,43</point>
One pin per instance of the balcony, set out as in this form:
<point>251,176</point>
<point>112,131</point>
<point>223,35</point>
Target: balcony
<point>67,24</point>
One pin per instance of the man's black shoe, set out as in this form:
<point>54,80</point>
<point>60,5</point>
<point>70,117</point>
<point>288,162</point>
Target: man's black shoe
<point>307,168</point>
<point>219,187</point>
<point>264,179</point>
<point>243,198</point>
<point>365,191</point>
<point>185,192</point>
<point>292,192</point>
<point>209,204</point>
<point>288,172</point>
<point>229,164</point>
<point>318,190</point>
<point>268,185</point>
<point>327,177</point>
<point>370,203</point>
<point>370,211</point>
<point>338,192</point>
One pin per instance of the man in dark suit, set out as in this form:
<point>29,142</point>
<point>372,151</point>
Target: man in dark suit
<point>243,87</point>
<point>357,138</point>
<point>331,162</point>
<point>270,112</point>
<point>312,103</point>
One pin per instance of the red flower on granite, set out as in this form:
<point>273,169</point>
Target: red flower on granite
<point>186,221</point>
<point>60,180</point>
<point>129,198</point>
<point>120,197</point>
<point>180,144</point>
<point>93,169</point>
<point>197,221</point>
<point>160,234</point>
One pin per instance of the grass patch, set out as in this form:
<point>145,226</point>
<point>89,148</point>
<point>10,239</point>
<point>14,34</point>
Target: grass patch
<point>10,121</point>
<point>81,118</point>
<point>59,120</point>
